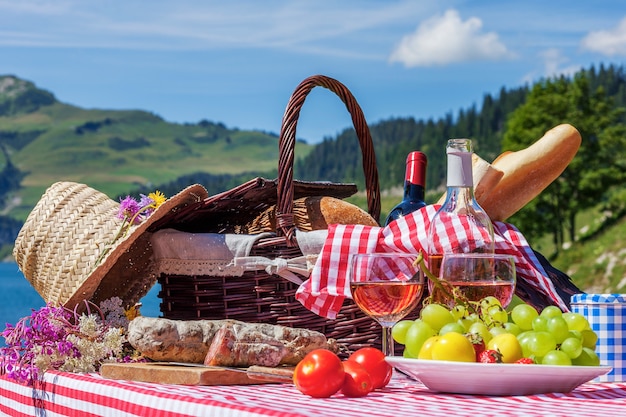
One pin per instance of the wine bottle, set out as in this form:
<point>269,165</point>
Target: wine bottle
<point>414,182</point>
<point>459,210</point>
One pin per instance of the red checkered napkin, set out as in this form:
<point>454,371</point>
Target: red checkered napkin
<point>328,285</point>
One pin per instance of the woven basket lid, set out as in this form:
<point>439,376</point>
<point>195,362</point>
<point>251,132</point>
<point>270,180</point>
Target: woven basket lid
<point>59,249</point>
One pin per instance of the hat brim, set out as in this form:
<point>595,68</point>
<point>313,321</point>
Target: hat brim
<point>124,271</point>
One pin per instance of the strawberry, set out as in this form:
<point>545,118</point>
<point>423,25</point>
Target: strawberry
<point>490,356</point>
<point>525,361</point>
<point>478,343</point>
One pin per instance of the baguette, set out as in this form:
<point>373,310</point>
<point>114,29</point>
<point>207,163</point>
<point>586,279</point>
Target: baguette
<point>529,171</point>
<point>485,175</point>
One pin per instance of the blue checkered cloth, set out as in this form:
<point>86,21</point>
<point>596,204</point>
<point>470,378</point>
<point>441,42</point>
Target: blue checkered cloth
<point>607,315</point>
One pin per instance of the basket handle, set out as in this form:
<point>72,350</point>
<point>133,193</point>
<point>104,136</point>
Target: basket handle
<point>285,225</point>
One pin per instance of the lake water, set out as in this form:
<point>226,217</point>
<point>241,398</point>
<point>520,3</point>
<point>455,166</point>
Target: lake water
<point>18,297</point>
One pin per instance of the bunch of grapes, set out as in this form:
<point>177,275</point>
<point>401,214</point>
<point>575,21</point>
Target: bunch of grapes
<point>550,337</point>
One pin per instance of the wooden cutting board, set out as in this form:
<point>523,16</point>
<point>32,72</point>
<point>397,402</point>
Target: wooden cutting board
<point>166,373</point>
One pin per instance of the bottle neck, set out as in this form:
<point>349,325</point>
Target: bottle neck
<point>415,176</point>
<point>460,169</point>
<point>458,199</point>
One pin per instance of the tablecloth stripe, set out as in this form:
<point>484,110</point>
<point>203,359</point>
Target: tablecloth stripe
<point>81,394</point>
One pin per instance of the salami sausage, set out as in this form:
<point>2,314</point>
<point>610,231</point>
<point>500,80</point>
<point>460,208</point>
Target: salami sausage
<point>167,340</point>
<point>246,344</point>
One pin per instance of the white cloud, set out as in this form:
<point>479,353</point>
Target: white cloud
<point>607,42</point>
<point>555,64</point>
<point>445,39</point>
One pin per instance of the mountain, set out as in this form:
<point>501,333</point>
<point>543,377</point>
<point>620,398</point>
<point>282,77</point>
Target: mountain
<point>44,140</point>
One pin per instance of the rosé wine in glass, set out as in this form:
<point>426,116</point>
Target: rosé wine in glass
<point>476,276</point>
<point>386,286</point>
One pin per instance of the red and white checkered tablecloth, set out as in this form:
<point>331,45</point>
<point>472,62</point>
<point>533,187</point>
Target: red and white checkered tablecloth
<point>67,394</point>
<point>328,286</point>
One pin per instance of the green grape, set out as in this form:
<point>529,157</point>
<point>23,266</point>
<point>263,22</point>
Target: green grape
<point>557,326</point>
<point>576,321</point>
<point>587,358</point>
<point>407,354</point>
<point>541,343</point>
<point>436,315</point>
<point>576,334</point>
<point>465,323</point>
<point>512,328</point>
<point>498,315</point>
<point>452,327</point>
<point>473,318</point>
<point>572,347</point>
<point>459,311</point>
<point>524,335</point>
<point>525,349</point>
<point>551,311</point>
<point>523,315</point>
<point>482,330</point>
<point>540,324</point>
<point>496,330</point>
<point>556,357</point>
<point>398,331</point>
<point>524,341</point>
<point>416,335</point>
<point>489,302</point>
<point>589,338</point>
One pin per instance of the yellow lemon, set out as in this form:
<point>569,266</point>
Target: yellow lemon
<point>508,345</point>
<point>427,348</point>
<point>453,347</point>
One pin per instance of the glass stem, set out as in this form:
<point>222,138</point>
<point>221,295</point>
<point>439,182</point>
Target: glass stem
<point>388,348</point>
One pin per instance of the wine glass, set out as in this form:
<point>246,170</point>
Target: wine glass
<point>476,276</point>
<point>386,286</point>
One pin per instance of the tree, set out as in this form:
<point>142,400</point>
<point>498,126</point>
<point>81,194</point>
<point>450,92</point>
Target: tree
<point>594,170</point>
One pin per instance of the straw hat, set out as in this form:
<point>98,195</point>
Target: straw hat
<point>59,246</point>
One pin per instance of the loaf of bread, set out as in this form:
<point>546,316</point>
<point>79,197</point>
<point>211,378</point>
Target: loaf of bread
<point>485,175</point>
<point>322,211</point>
<point>313,213</point>
<point>526,173</point>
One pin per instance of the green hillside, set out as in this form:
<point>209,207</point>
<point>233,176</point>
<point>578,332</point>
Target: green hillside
<point>598,264</point>
<point>115,151</point>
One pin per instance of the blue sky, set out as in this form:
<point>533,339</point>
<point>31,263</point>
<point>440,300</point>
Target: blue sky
<point>237,62</point>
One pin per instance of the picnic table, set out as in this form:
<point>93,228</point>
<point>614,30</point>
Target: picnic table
<point>75,394</point>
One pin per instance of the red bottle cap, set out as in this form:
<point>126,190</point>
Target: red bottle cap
<point>416,168</point>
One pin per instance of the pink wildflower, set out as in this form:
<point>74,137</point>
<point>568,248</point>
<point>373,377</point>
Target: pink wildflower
<point>129,207</point>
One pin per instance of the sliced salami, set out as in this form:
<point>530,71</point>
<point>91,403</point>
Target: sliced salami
<point>245,344</point>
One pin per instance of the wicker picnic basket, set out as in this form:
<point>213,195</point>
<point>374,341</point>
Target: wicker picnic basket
<point>259,296</point>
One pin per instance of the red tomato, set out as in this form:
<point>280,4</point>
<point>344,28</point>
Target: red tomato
<point>319,374</point>
<point>357,382</point>
<point>373,360</point>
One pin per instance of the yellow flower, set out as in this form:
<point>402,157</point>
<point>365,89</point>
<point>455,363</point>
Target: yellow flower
<point>158,197</point>
<point>133,312</point>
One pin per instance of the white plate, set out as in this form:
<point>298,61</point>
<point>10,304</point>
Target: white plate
<point>496,379</point>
